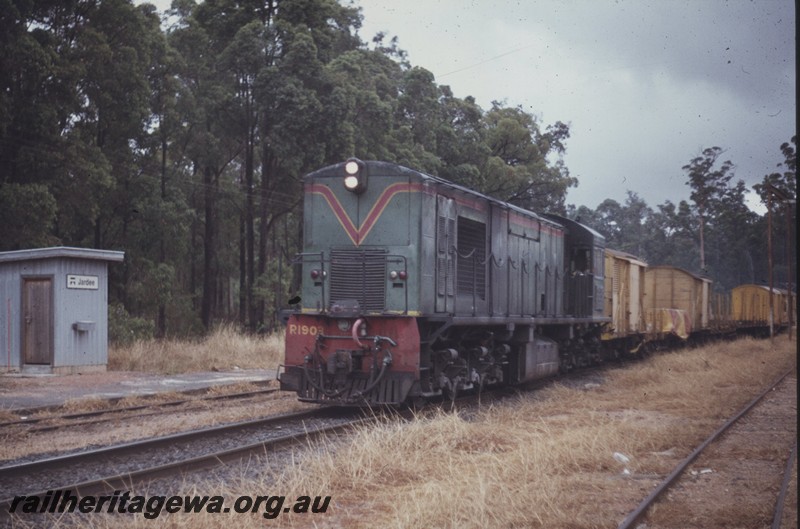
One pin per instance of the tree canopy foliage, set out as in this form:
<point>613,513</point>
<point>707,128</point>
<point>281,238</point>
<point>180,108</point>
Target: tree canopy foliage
<point>183,141</point>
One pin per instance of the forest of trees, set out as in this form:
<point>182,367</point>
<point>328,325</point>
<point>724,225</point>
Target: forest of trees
<point>183,143</point>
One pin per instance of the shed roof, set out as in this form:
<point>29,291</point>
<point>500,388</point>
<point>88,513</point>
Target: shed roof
<point>61,251</point>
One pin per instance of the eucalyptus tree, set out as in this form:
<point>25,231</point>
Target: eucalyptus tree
<point>709,183</point>
<point>75,108</point>
<point>301,38</point>
<point>778,191</point>
<point>33,103</point>
<point>461,144</point>
<point>518,169</point>
<point>209,131</point>
<point>359,108</point>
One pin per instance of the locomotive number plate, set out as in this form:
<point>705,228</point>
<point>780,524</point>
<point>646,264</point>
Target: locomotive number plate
<point>304,330</point>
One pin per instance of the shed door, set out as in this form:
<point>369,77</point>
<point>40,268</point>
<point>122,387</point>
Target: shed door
<point>37,322</point>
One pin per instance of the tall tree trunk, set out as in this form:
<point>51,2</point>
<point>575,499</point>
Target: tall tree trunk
<point>209,275</point>
<point>161,318</point>
<point>242,268</point>
<point>702,243</point>
<point>250,230</point>
<point>268,164</point>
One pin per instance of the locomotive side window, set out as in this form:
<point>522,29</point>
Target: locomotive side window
<point>471,257</point>
<point>581,263</point>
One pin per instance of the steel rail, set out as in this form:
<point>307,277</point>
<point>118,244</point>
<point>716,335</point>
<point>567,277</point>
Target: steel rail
<point>14,472</point>
<point>104,411</point>
<point>777,517</point>
<point>642,508</point>
<point>127,480</point>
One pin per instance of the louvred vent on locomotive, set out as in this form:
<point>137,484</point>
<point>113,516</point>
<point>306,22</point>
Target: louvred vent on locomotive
<point>359,274</point>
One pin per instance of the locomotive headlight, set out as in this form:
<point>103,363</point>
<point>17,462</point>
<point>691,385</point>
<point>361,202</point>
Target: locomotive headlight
<point>351,167</point>
<point>355,176</point>
<point>351,183</point>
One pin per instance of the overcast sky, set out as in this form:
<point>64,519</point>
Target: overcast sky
<point>645,85</point>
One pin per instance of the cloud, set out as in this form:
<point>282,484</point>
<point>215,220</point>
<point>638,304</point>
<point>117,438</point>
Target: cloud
<point>646,85</point>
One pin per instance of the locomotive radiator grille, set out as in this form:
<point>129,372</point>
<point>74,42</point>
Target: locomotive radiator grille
<point>359,274</point>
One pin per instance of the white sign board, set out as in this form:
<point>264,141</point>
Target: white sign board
<point>83,282</point>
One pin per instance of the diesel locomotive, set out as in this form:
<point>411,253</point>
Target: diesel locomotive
<point>415,287</point>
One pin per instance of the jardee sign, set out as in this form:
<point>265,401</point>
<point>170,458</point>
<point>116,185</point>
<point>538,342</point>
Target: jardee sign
<point>83,282</point>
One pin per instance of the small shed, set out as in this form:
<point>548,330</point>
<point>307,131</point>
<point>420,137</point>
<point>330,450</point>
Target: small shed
<point>54,312</point>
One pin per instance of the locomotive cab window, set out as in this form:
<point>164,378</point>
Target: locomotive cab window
<point>471,275</point>
<point>581,262</point>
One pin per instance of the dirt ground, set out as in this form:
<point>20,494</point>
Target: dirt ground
<point>25,392</point>
<point>735,482</point>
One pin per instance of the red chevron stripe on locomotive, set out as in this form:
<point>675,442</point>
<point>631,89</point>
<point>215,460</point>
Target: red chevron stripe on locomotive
<point>357,235</point>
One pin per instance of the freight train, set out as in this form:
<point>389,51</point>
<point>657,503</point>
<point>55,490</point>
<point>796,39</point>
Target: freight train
<point>413,287</point>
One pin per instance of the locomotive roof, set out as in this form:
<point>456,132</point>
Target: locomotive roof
<point>575,224</point>
<point>393,169</point>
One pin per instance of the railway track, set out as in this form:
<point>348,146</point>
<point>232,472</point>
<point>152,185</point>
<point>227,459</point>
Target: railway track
<point>40,419</point>
<point>685,504</point>
<point>106,469</point>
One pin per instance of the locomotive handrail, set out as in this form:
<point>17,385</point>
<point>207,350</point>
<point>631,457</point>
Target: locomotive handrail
<point>467,256</point>
<point>524,272</point>
<point>546,284</point>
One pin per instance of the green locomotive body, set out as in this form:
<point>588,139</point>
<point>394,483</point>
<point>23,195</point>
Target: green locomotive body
<point>413,286</point>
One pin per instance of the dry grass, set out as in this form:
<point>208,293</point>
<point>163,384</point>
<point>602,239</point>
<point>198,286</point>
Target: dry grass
<point>543,460</point>
<point>539,461</point>
<point>224,349</point>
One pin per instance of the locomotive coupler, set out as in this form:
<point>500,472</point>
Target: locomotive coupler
<point>340,361</point>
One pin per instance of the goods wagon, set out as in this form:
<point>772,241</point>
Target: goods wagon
<point>675,301</point>
<point>624,299</point>
<point>751,305</point>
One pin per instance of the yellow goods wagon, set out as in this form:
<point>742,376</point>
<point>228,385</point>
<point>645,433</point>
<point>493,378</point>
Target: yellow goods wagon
<point>668,287</point>
<point>624,288</point>
<point>750,304</point>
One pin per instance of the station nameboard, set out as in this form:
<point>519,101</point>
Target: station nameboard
<point>83,282</point>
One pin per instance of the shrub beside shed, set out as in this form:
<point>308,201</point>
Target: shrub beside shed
<point>54,312</point>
